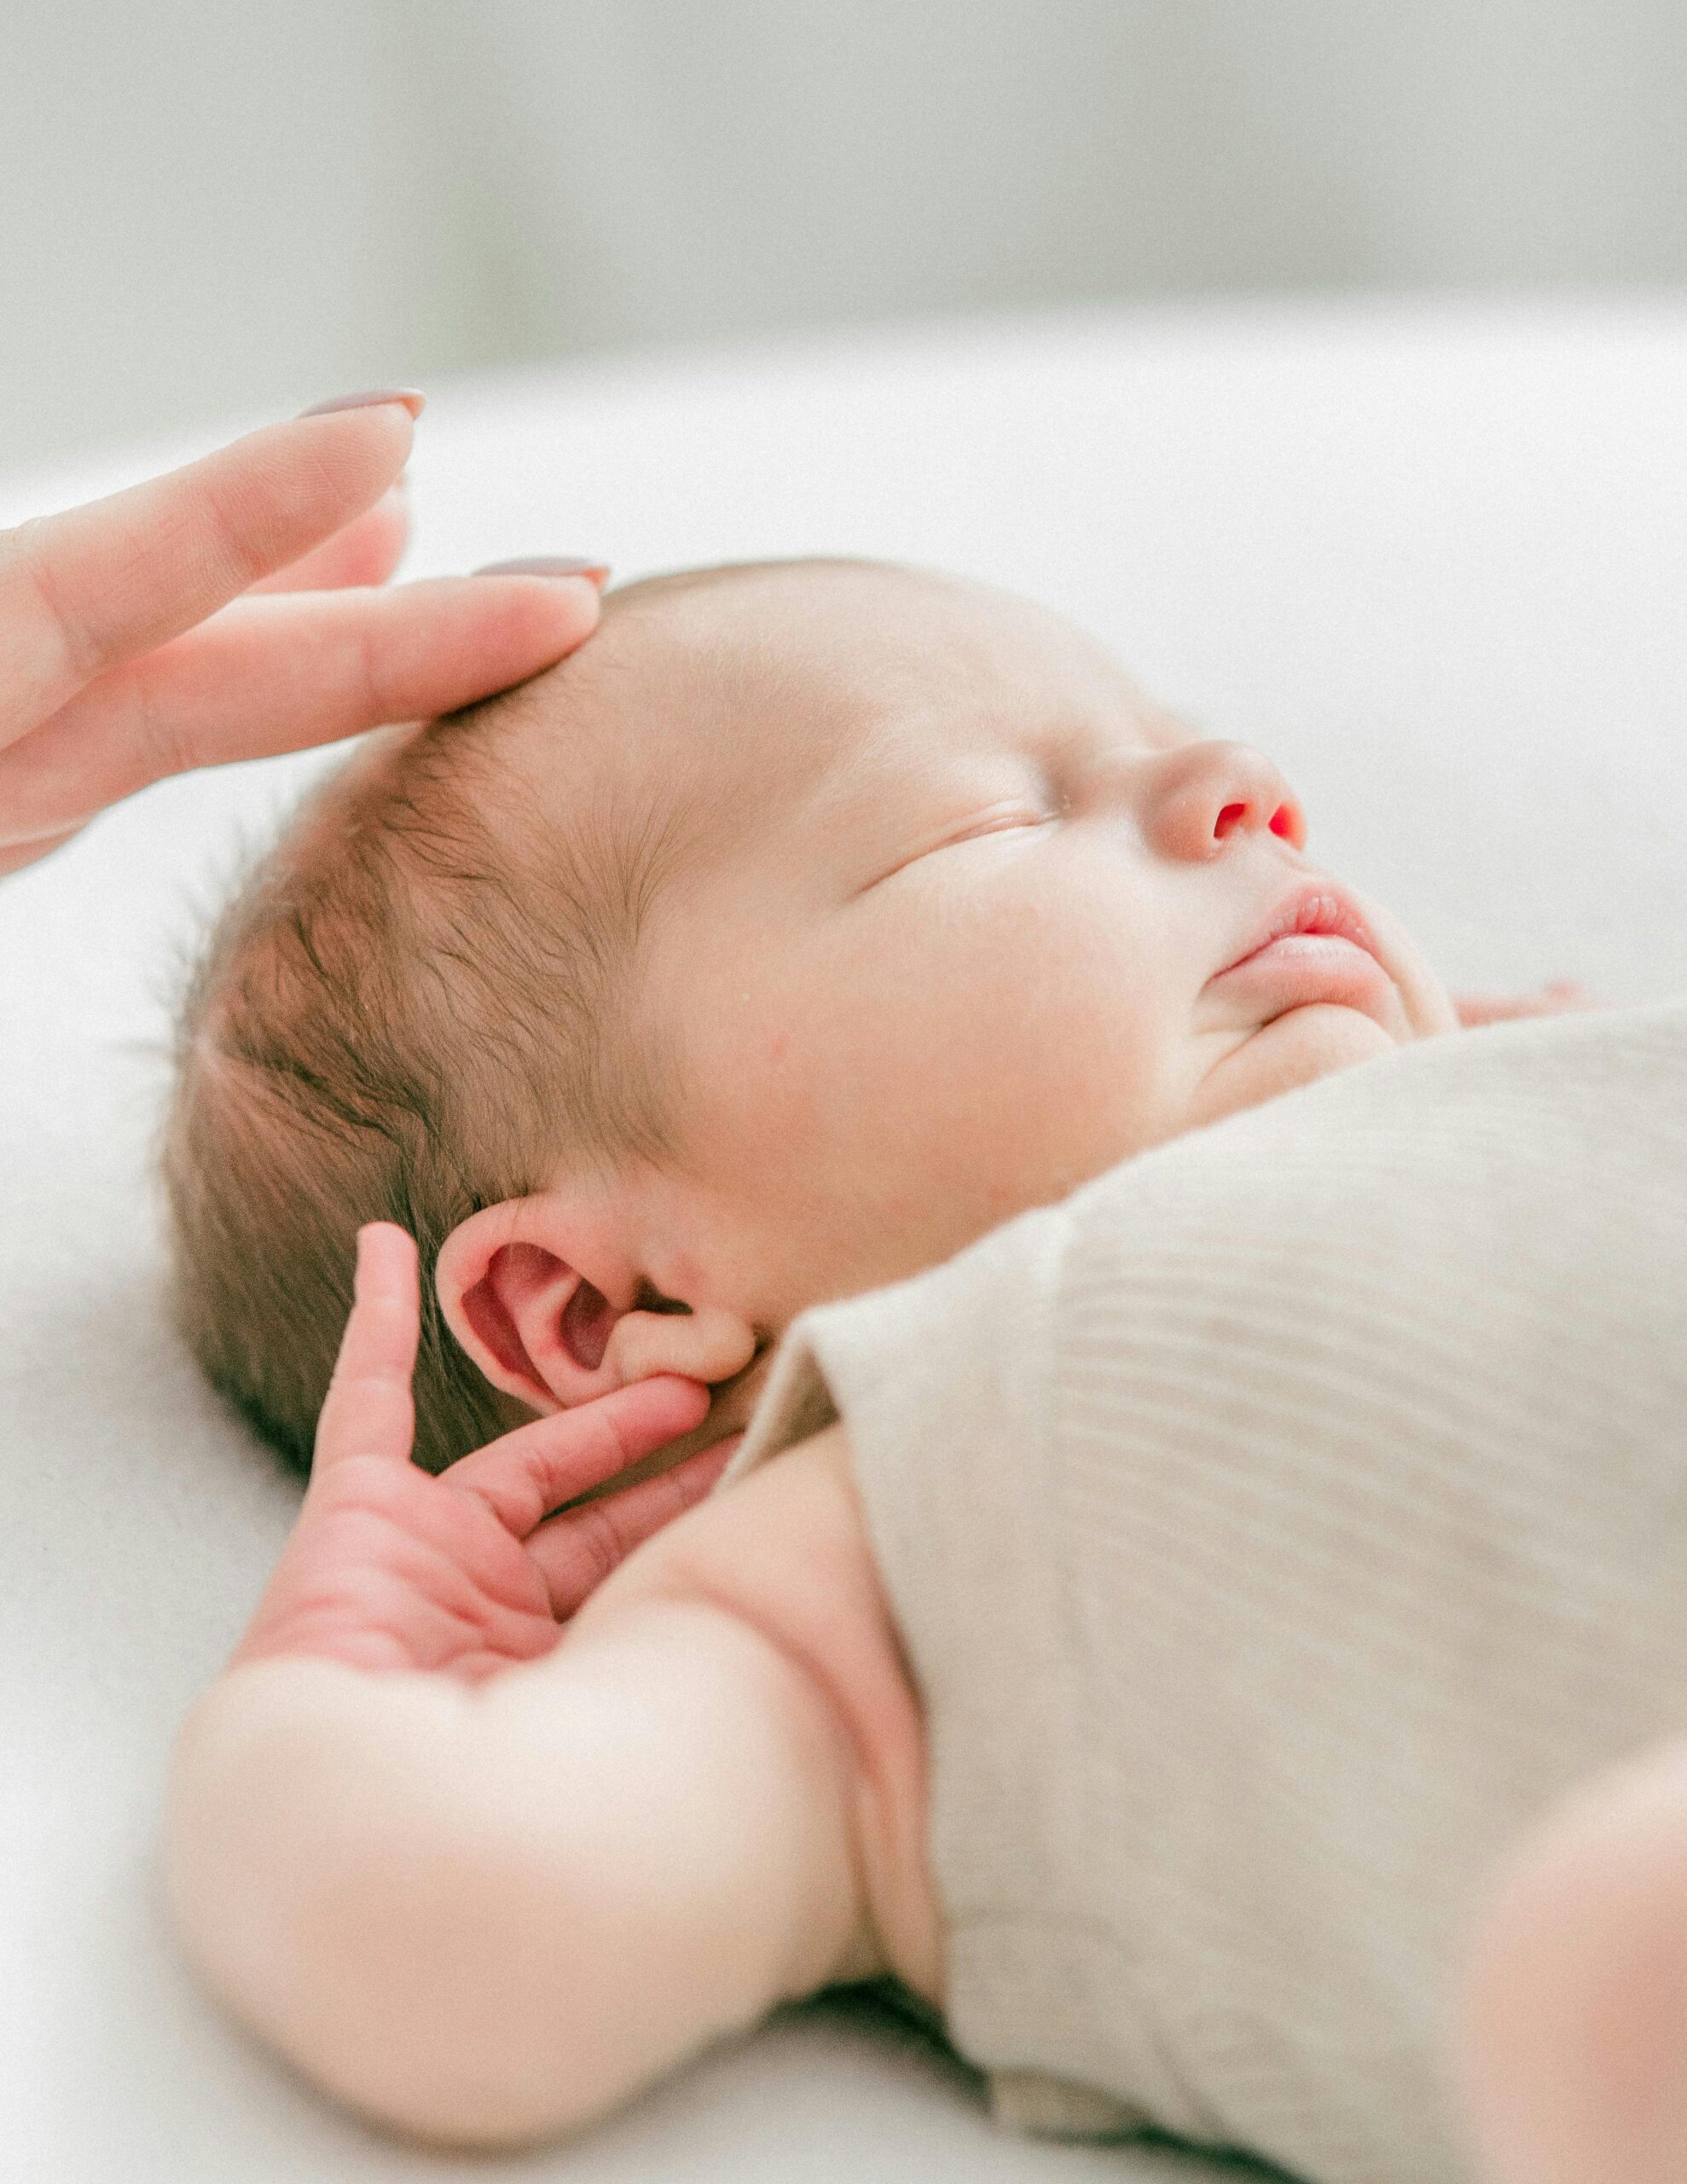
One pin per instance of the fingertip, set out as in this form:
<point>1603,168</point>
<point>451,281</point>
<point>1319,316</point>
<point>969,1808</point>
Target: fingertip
<point>382,1239</point>
<point>703,1397</point>
<point>391,421</point>
<point>388,1227</point>
<point>574,605</point>
<point>314,475</point>
<point>550,614</point>
<point>553,566</point>
<point>410,399</point>
<point>689,1398</point>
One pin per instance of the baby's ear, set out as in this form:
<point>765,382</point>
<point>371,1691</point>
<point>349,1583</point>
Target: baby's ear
<point>535,1326</point>
<point>526,1287</point>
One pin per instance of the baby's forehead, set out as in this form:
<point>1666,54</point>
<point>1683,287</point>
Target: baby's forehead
<point>763,684</point>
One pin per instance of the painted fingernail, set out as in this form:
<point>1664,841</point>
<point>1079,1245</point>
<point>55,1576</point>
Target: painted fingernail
<point>548,566</point>
<point>409,397</point>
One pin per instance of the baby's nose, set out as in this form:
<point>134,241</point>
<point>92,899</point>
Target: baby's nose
<point>1204,795</point>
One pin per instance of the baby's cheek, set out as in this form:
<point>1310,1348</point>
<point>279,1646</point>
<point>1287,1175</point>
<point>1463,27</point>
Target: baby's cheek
<point>1002,1108</point>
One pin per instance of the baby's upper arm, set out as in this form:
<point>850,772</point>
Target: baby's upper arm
<point>488,1915</point>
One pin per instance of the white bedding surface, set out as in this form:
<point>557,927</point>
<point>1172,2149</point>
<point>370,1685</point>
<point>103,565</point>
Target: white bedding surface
<point>1431,557</point>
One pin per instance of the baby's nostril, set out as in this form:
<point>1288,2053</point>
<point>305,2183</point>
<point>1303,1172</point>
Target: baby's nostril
<point>1230,816</point>
<point>1283,821</point>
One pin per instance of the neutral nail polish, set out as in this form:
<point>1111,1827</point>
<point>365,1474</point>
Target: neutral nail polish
<point>409,397</point>
<point>547,565</point>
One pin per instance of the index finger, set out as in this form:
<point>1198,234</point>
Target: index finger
<point>369,1410</point>
<point>82,592</point>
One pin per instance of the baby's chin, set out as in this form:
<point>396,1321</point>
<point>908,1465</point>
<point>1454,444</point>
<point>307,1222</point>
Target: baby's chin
<point>1297,1048</point>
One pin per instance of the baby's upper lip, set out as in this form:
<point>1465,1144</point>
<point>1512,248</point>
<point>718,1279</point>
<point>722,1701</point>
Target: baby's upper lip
<point>1314,906</point>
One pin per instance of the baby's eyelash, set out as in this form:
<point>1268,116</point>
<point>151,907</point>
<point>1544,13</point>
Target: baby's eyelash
<point>1014,819</point>
<point>1003,823</point>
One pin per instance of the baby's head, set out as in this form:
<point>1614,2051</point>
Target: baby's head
<point>809,921</point>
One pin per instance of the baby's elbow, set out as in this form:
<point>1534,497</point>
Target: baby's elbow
<point>427,2014</point>
<point>1571,2028</point>
<point>317,1896</point>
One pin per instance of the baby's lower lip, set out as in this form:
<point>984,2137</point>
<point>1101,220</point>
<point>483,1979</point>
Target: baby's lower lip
<point>1306,966</point>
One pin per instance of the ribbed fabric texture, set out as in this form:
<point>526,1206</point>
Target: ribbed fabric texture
<point>1275,1528</point>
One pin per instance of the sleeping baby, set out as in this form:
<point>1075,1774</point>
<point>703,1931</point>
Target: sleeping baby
<point>613,986</point>
<point>1222,1491</point>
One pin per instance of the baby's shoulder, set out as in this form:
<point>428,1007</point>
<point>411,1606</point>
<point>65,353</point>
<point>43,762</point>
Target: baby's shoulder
<point>786,1548</point>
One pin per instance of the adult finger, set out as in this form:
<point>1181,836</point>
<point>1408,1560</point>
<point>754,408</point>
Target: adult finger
<point>576,1551</point>
<point>527,1473</point>
<point>1473,1010</point>
<point>369,1410</point>
<point>367,551</point>
<point>82,592</point>
<point>270,674</point>
<point>1561,996</point>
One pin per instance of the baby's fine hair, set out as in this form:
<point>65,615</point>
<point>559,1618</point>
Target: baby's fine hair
<point>414,1007</point>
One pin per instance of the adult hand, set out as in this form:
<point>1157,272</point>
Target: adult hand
<point>391,1567</point>
<point>231,610</point>
<point>1559,997</point>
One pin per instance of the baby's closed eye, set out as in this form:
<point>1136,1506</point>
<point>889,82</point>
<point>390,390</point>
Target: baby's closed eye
<point>1015,816</point>
<point>1003,819</point>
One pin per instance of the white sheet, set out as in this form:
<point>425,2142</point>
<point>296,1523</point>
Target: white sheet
<point>1429,556</point>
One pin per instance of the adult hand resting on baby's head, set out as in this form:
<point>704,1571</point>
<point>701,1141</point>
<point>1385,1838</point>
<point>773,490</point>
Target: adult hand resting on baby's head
<point>391,1567</point>
<point>232,610</point>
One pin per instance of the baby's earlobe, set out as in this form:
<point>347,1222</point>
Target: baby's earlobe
<point>708,1344</point>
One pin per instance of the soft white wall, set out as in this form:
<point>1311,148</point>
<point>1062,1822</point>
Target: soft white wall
<point>193,202</point>
<point>209,207</point>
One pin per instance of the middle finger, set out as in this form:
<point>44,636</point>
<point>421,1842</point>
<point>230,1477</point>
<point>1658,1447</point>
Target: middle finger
<point>538,1466</point>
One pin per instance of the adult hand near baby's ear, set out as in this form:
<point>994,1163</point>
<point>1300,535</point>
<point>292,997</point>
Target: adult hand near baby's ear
<point>390,1567</point>
<point>235,608</point>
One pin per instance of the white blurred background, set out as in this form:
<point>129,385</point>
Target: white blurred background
<point>210,208</point>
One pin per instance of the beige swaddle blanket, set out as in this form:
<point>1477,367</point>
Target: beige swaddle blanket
<point>1273,1527</point>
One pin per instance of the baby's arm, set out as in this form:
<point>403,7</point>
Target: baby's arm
<point>1571,2028</point>
<point>487,1914</point>
<point>479,1885</point>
